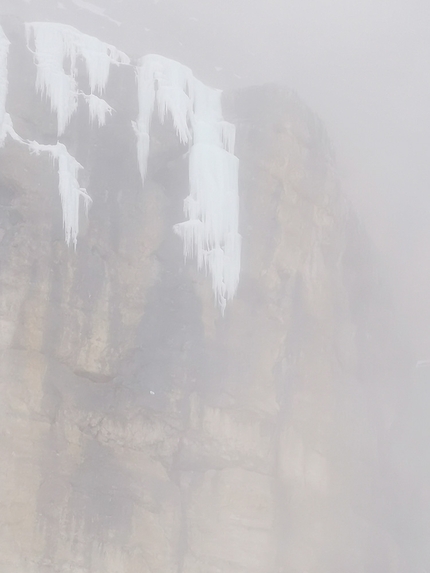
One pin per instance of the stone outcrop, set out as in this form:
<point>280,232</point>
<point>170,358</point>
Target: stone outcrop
<point>141,431</point>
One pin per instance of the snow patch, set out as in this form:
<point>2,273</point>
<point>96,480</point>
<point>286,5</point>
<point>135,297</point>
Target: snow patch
<point>58,44</point>
<point>210,234</point>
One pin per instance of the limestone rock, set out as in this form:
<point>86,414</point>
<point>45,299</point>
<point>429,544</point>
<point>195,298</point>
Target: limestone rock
<point>143,431</point>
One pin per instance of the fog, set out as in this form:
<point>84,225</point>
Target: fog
<point>363,67</point>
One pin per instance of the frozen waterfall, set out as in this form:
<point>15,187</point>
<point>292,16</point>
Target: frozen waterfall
<point>70,191</point>
<point>211,232</point>
<point>56,43</point>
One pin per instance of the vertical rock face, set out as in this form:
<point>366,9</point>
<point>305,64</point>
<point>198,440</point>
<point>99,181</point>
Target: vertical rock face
<point>142,431</point>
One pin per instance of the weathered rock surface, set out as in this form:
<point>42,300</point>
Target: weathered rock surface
<point>142,431</point>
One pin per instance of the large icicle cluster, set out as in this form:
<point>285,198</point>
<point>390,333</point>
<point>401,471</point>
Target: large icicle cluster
<point>56,45</point>
<point>70,191</point>
<point>211,232</point>
<point>68,167</point>
<point>171,80</point>
<point>57,49</point>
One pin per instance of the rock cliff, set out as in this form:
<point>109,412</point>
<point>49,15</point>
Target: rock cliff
<point>141,431</point>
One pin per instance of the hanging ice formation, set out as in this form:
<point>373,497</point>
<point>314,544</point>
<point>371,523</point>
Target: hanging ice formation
<point>54,44</point>
<point>6,127</point>
<point>98,108</point>
<point>70,191</point>
<point>211,232</point>
<point>57,45</point>
<point>4,119</point>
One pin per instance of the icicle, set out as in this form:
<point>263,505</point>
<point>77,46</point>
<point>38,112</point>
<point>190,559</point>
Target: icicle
<point>171,80</point>
<point>70,191</point>
<point>6,125</point>
<point>55,43</point>
<point>4,50</point>
<point>211,233</point>
<point>228,135</point>
<point>214,196</point>
<point>51,50</point>
<point>98,108</point>
<point>146,98</point>
<point>5,121</point>
<point>8,129</point>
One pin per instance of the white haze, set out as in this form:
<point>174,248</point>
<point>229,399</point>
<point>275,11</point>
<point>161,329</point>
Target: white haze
<point>362,65</point>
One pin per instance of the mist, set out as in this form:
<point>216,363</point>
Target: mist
<point>360,65</point>
<point>183,367</point>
